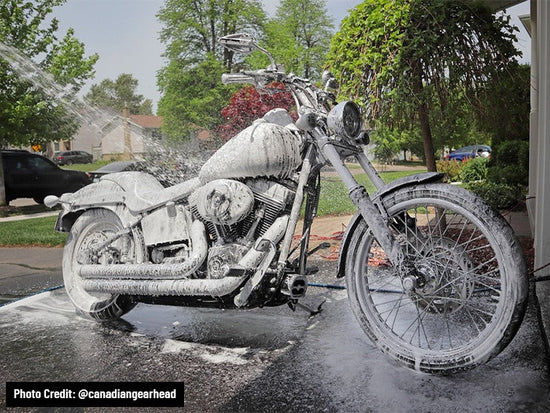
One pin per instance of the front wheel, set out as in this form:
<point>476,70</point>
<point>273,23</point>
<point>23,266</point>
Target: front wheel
<point>86,245</point>
<point>471,293</point>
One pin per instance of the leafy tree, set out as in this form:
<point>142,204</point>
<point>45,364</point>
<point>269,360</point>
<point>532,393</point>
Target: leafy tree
<point>299,36</point>
<point>248,104</point>
<point>119,93</point>
<point>31,110</point>
<point>505,106</point>
<point>192,28</point>
<point>190,83</point>
<point>406,57</point>
<point>192,98</point>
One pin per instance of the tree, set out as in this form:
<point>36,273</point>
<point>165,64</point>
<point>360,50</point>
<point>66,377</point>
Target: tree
<point>192,98</point>
<point>117,94</point>
<point>192,28</point>
<point>505,106</point>
<point>32,111</point>
<point>190,83</point>
<point>298,37</point>
<point>405,57</point>
<point>307,24</point>
<point>248,104</point>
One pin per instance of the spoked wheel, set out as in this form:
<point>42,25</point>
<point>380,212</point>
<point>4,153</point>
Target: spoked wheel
<point>88,244</point>
<point>469,293</point>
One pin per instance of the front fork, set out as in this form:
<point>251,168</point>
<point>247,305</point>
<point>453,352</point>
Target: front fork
<point>370,212</point>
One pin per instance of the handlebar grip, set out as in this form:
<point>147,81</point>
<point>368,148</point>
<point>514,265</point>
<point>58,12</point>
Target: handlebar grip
<point>229,78</point>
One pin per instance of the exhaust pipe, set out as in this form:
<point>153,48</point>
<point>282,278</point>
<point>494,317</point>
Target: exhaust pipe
<point>192,287</point>
<point>155,279</point>
<point>154,271</point>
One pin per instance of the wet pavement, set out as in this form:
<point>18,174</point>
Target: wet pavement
<point>267,360</point>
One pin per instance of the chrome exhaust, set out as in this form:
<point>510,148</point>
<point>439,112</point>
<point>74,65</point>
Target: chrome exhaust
<point>155,279</point>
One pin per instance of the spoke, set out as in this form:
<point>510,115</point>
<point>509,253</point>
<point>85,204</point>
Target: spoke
<point>470,305</point>
<point>390,302</point>
<point>395,317</point>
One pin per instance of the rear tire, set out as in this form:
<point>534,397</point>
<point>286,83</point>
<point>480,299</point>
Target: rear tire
<point>92,228</point>
<point>473,295</point>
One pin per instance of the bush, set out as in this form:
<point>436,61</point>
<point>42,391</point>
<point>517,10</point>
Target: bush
<point>475,170</point>
<point>499,196</point>
<point>510,163</point>
<point>451,169</point>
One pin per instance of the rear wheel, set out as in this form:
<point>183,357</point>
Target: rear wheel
<point>471,292</point>
<point>90,230</point>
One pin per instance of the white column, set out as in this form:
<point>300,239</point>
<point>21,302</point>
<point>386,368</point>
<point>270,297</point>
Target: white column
<point>533,119</point>
<point>542,213</point>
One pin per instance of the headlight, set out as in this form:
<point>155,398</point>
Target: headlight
<point>345,120</point>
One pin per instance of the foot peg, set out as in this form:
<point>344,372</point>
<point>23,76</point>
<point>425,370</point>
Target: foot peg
<point>296,286</point>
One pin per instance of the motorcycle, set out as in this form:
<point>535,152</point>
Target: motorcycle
<point>435,277</point>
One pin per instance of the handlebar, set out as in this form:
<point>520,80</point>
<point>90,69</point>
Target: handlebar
<point>304,92</point>
<point>230,78</point>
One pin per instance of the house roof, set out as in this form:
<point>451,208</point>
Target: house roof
<point>147,121</point>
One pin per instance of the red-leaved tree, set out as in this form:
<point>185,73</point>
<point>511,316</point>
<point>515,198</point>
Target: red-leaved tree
<point>248,104</point>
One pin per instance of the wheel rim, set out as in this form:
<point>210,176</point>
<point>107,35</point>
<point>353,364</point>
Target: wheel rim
<point>91,236</point>
<point>461,302</point>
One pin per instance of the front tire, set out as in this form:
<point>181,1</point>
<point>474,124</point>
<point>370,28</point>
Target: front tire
<point>473,291</point>
<point>91,229</point>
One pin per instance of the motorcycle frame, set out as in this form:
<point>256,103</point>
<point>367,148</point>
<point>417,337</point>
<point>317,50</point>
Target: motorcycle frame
<point>324,150</point>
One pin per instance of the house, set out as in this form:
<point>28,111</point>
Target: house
<point>128,136</point>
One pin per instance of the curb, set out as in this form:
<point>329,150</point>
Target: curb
<point>30,216</point>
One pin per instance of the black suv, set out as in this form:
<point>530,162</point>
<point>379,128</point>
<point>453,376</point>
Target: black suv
<point>29,175</point>
<point>70,157</point>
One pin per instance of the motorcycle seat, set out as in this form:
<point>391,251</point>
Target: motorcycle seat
<point>144,192</point>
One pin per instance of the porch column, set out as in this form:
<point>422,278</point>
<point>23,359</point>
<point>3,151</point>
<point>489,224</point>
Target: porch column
<point>542,214</point>
<point>531,27</point>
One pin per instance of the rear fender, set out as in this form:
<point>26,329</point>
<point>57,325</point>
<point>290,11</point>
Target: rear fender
<point>103,194</point>
<point>377,198</point>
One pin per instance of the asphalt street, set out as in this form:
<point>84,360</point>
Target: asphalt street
<point>264,360</point>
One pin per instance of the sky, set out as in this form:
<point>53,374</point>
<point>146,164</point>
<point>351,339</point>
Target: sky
<point>125,35</point>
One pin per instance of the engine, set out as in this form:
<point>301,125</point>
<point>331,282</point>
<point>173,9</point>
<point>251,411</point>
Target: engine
<point>253,207</point>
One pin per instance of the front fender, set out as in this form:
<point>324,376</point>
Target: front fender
<point>412,180</point>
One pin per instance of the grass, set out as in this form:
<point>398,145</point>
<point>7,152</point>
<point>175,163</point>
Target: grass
<point>35,232</point>
<point>86,167</point>
<point>334,200</point>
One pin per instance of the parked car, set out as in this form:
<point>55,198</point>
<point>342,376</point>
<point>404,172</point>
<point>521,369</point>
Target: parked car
<point>471,151</point>
<point>70,157</point>
<point>29,175</point>
<point>113,167</point>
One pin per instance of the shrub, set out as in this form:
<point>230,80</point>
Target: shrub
<point>451,169</point>
<point>475,169</point>
<point>510,163</point>
<point>499,196</point>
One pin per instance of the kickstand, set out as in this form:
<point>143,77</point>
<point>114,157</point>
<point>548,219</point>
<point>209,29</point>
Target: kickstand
<point>312,312</point>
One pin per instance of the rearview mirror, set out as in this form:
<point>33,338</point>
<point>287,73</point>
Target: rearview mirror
<point>245,43</point>
<point>329,81</point>
<point>242,43</point>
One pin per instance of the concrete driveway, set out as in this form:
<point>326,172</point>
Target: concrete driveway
<point>267,360</point>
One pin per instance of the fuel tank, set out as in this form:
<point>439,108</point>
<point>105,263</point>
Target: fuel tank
<point>262,149</point>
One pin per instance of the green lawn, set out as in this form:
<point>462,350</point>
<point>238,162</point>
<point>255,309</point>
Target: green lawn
<point>31,232</point>
<point>86,167</point>
<point>334,200</point>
